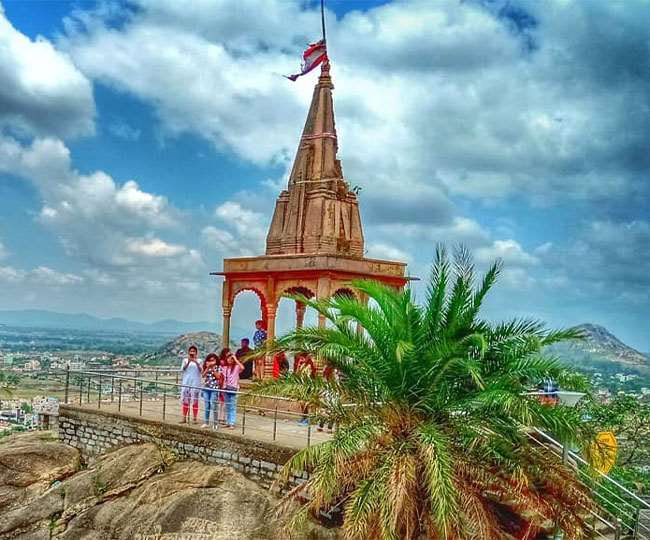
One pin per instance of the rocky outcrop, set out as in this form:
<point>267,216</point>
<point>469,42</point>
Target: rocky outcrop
<point>29,465</point>
<point>138,491</point>
<point>171,353</point>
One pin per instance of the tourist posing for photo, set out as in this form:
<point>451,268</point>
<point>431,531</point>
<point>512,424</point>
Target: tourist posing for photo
<point>259,341</point>
<point>190,384</point>
<point>231,386</point>
<point>212,382</point>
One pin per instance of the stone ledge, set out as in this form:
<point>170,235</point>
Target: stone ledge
<point>94,432</point>
<point>219,440</point>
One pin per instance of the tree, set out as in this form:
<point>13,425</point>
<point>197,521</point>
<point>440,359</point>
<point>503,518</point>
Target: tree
<point>8,382</point>
<point>26,408</point>
<point>432,419</point>
<point>629,420</point>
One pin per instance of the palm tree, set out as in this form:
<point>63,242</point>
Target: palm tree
<point>432,416</point>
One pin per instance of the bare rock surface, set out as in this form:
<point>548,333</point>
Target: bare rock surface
<point>29,465</point>
<point>134,492</point>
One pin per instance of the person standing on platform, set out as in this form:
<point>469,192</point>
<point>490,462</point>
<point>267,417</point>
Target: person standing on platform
<point>305,364</point>
<point>259,342</point>
<point>212,379</point>
<point>231,386</point>
<point>242,355</point>
<point>329,397</point>
<point>222,383</point>
<point>280,365</point>
<point>190,385</point>
<point>305,367</point>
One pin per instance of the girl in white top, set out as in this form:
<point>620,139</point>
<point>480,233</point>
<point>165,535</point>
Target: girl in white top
<point>191,383</point>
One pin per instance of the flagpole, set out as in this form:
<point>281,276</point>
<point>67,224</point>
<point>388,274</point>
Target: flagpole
<point>322,18</point>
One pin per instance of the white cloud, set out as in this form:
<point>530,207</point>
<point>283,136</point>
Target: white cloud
<point>3,252</point>
<point>95,217</point>
<point>517,278</point>
<point>43,275</point>
<point>387,251</point>
<point>154,247</point>
<point>122,239</point>
<point>432,99</point>
<point>11,275</point>
<point>42,92</point>
<point>241,231</point>
<point>509,251</point>
<point>39,276</point>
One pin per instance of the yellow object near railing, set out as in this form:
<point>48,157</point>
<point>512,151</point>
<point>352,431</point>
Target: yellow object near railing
<point>603,452</point>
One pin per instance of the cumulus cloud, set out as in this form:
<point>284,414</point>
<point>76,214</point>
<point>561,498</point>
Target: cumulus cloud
<point>11,275</point>
<point>154,247</point>
<point>118,234</point>
<point>609,255</point>
<point>240,231</point>
<point>386,251</point>
<point>95,216</point>
<point>441,99</point>
<point>42,92</point>
<point>509,251</point>
<point>39,276</point>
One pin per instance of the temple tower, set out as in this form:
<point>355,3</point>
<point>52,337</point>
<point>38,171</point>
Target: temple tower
<point>317,213</point>
<point>315,241</point>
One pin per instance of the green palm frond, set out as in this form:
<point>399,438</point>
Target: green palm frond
<point>433,412</point>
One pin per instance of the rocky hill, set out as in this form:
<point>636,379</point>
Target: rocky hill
<point>600,345</point>
<point>139,491</point>
<point>173,350</point>
<point>602,342</point>
<point>602,352</point>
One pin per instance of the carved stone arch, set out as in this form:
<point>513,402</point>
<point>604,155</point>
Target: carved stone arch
<point>259,290</point>
<point>238,288</point>
<point>297,289</point>
<point>346,291</point>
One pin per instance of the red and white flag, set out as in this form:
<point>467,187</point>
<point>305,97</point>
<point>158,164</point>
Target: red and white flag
<point>314,55</point>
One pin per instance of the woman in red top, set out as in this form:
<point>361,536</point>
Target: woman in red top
<point>280,365</point>
<point>305,364</point>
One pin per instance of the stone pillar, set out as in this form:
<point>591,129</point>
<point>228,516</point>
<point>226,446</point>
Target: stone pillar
<point>270,338</point>
<point>300,314</point>
<point>226,325</point>
<point>226,308</point>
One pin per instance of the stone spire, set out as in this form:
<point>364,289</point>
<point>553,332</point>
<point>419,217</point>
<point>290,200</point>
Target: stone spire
<point>317,213</point>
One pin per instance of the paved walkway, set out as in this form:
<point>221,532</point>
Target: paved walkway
<point>282,429</point>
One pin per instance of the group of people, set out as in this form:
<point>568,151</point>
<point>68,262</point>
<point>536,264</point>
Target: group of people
<point>217,379</point>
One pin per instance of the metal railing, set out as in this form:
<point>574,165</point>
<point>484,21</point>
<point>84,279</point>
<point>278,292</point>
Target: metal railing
<point>267,418</point>
<point>617,508</point>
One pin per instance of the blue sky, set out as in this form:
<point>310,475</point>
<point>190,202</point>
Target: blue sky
<point>142,142</point>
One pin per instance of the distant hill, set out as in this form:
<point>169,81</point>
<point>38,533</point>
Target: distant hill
<point>172,351</point>
<point>82,321</point>
<point>600,347</point>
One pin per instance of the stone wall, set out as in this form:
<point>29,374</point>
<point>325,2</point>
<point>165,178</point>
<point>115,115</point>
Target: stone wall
<point>95,432</point>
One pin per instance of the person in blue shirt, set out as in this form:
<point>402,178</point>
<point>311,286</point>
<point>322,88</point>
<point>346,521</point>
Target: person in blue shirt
<point>259,341</point>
